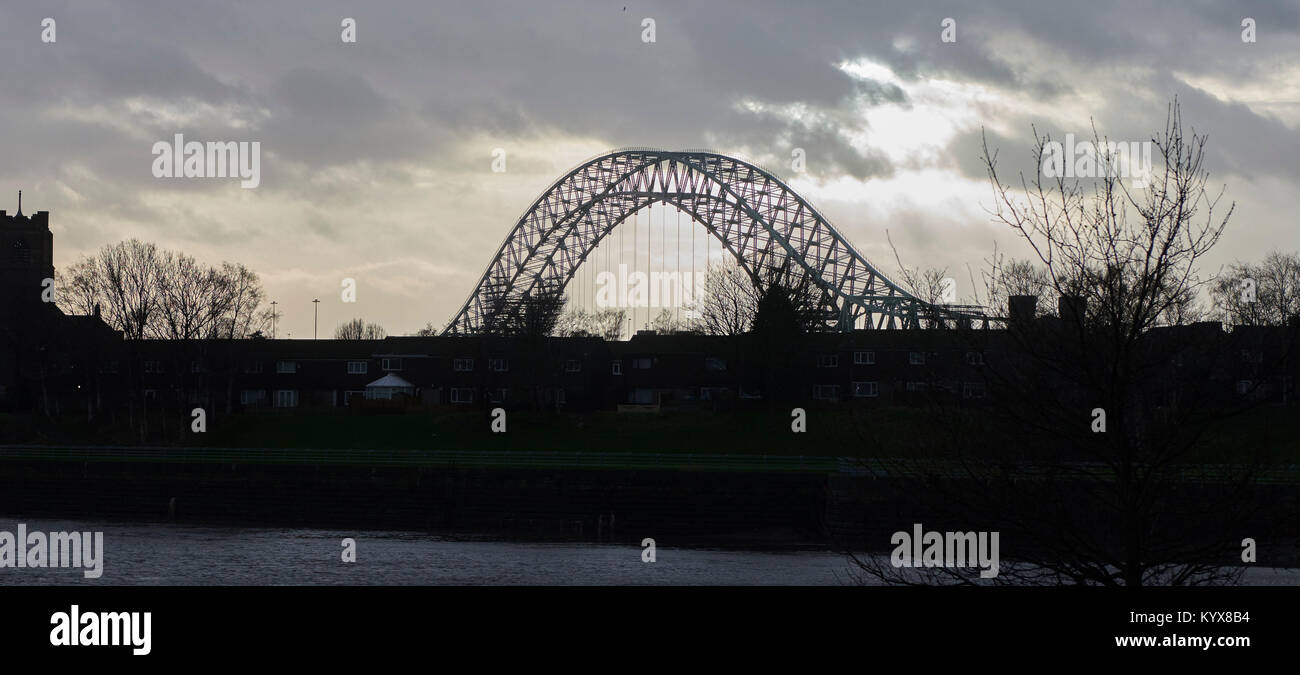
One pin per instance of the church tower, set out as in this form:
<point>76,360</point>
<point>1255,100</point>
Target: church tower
<point>26,260</point>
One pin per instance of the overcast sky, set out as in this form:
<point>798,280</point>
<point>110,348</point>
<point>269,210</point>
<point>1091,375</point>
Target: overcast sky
<point>376,156</point>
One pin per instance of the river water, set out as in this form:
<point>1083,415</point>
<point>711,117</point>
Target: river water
<point>169,554</point>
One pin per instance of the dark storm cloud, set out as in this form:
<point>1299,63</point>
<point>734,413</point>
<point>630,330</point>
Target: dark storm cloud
<point>421,75</point>
<point>429,87</point>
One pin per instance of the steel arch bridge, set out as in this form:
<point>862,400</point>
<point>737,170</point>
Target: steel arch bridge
<point>757,218</point>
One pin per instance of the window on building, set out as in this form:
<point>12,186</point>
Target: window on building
<point>153,366</point>
<point>22,253</point>
<point>916,358</point>
<point>358,367</point>
<point>560,397</point>
<point>498,365</point>
<point>864,358</point>
<point>975,358</point>
<point>196,366</point>
<point>918,386</point>
<point>462,365</point>
<point>866,389</point>
<point>151,394</point>
<point>253,367</point>
<point>462,395</point>
<point>347,396</point>
<point>828,361</point>
<point>572,366</point>
<point>643,363</point>
<point>826,392</point>
<point>289,367</point>
<point>972,390</point>
<point>391,364</point>
<point>715,363</point>
<point>616,367</point>
<point>497,395</point>
<point>1243,386</point>
<point>252,396</point>
<point>286,398</point>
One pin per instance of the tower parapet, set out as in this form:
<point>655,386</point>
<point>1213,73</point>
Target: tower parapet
<point>26,258</point>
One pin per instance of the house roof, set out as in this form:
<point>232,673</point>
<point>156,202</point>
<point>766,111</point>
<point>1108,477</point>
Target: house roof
<point>390,380</point>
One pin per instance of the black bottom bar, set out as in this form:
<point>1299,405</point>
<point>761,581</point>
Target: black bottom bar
<point>201,625</point>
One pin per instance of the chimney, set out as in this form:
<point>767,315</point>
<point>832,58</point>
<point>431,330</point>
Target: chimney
<point>1021,308</point>
<point>1072,308</point>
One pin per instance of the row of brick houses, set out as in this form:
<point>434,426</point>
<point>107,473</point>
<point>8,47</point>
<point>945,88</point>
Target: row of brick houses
<point>574,373</point>
<point>60,364</point>
<point>683,370</point>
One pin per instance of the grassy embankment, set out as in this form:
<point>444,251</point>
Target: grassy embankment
<point>879,432</point>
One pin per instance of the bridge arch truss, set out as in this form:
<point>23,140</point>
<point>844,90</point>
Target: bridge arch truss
<point>764,224</point>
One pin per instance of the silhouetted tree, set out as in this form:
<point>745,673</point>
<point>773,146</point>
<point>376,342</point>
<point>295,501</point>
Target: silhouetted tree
<point>666,323</point>
<point>578,322</point>
<point>540,313</point>
<point>1006,278</point>
<point>1259,294</point>
<point>1077,503</point>
<point>358,329</point>
<point>147,292</point>
<point>729,301</point>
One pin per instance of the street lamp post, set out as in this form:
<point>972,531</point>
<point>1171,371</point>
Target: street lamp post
<point>273,304</point>
<point>315,319</point>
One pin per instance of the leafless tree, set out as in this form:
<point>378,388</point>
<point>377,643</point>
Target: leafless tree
<point>190,299</point>
<point>729,301</point>
<point>1261,294</point>
<point>79,288</point>
<point>147,292</point>
<point>578,322</point>
<point>665,322</point>
<point>358,329</point>
<point>932,285</point>
<point>126,276</point>
<point>574,321</point>
<point>608,323</point>
<point>1082,505</point>
<point>1005,278</point>
<point>928,284</point>
<point>246,312</point>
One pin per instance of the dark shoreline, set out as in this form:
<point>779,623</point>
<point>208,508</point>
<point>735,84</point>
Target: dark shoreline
<point>726,510</point>
<point>752,511</point>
